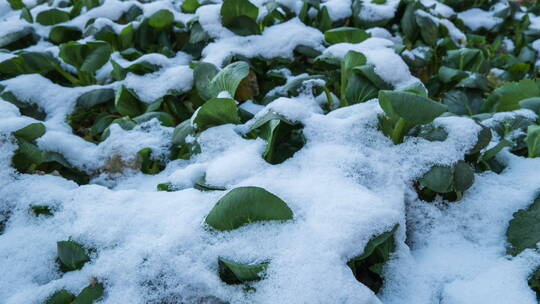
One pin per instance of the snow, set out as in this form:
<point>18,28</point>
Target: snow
<point>276,41</point>
<point>476,19</point>
<point>347,184</point>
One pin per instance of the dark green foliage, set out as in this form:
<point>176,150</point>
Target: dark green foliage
<point>368,267</point>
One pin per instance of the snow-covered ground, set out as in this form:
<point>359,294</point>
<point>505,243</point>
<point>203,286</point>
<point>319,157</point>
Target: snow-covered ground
<point>347,184</point>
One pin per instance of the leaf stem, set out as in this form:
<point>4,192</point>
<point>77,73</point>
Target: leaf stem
<point>399,131</point>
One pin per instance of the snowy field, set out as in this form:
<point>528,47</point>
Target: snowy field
<point>123,123</point>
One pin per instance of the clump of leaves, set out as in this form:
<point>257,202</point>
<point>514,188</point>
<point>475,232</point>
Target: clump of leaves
<point>368,267</point>
<point>404,110</point>
<point>448,181</point>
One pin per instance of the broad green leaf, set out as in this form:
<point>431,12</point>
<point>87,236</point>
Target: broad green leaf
<point>413,108</point>
<point>181,132</point>
<point>236,273</point>
<point>26,108</point>
<point>533,141</point>
<point>31,131</point>
<point>245,205</point>
<point>524,229</point>
<point>164,118</point>
<point>408,21</point>
<point>463,176</point>
<point>89,294</point>
<point>161,19</point>
<point>52,17</point>
<point>367,266</point>
<point>203,73</point>
<point>26,15</point>
<point>62,34</point>
<point>127,103</point>
<point>61,296</point>
<point>230,9</point>
<point>189,6</point>
<point>508,96</point>
<point>215,112</point>
<point>484,138</point>
<point>244,26</point>
<point>463,102</point>
<point>532,104</point>
<point>72,256</point>
<point>12,37</point>
<point>438,179</point>
<point>87,57</point>
<point>429,30</point>
<point>229,78</point>
<point>352,59</point>
<point>345,34</point>
<point>167,187</point>
<point>95,97</point>
<point>283,140</point>
<point>16,4</point>
<point>27,156</point>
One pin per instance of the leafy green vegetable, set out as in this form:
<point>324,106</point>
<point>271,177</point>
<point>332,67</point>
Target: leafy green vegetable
<point>127,103</point>
<point>61,296</point>
<point>533,141</point>
<point>368,266</point>
<point>405,110</point>
<point>161,19</point>
<point>508,96</point>
<point>240,16</point>
<point>524,229</point>
<point>90,294</point>
<point>245,205</point>
<point>71,255</point>
<point>52,17</point>
<point>216,111</point>
<point>345,34</point>
<point>235,273</point>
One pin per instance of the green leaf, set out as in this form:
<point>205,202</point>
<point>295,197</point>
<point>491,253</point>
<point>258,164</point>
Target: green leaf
<point>61,296</point>
<point>533,141</point>
<point>16,4</point>
<point>345,34</point>
<point>71,255</point>
<point>215,112</point>
<point>484,138</point>
<point>508,96</point>
<point>26,15</point>
<point>203,74</point>
<point>429,30</point>
<point>62,34</point>
<point>161,19</point>
<point>41,209</point>
<point>202,185</point>
<point>465,59</point>
<point>230,9</point>
<point>26,157</point>
<point>149,165</point>
<point>352,59</point>
<point>235,273</point>
<point>532,104</point>
<point>229,79</point>
<point>30,132</point>
<point>52,17</point>
<point>283,140</point>
<point>87,57</point>
<point>244,26</point>
<point>438,178</point>
<point>181,132</point>
<point>245,205</point>
<point>413,108</point>
<point>95,97</point>
<point>463,176</point>
<point>367,266</point>
<point>165,118</point>
<point>167,187</point>
<point>127,103</point>
<point>524,229</point>
<point>89,294</point>
<point>489,154</point>
<point>189,6</point>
